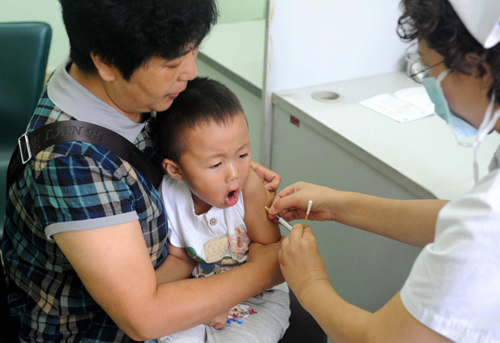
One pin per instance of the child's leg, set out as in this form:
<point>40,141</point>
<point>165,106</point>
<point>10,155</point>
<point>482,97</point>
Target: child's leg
<point>268,325</point>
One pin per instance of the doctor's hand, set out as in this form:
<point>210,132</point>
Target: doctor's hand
<point>300,261</point>
<point>270,179</point>
<point>291,203</point>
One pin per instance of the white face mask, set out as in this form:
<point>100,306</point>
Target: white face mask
<point>459,126</point>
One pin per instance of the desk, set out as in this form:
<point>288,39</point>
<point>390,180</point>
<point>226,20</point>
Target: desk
<point>346,146</point>
<point>233,54</point>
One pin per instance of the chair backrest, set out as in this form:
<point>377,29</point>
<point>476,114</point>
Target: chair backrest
<point>23,62</point>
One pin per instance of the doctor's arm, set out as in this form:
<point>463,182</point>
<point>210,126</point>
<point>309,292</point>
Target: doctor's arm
<point>115,267</point>
<point>409,221</point>
<point>305,272</point>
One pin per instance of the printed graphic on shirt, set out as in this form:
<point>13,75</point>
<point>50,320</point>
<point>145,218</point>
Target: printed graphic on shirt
<point>216,249</point>
<point>238,244</point>
<point>192,255</point>
<point>221,254</point>
<point>227,261</point>
<point>209,269</point>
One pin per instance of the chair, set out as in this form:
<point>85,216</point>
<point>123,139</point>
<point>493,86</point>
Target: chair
<point>303,328</point>
<point>23,63</point>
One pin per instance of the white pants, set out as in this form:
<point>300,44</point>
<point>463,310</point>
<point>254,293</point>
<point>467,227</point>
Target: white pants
<point>268,325</point>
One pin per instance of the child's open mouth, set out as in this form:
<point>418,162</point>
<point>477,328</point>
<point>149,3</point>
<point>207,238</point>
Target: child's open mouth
<point>232,198</point>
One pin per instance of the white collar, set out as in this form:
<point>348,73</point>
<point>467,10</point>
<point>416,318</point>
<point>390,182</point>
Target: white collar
<point>77,101</point>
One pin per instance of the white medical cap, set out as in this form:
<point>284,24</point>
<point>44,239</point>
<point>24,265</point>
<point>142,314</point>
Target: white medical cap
<point>481,18</point>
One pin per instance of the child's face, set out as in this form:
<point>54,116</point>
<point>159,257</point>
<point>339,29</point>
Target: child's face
<point>216,162</point>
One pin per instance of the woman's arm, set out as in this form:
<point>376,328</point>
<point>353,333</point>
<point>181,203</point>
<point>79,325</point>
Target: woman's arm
<point>305,273</point>
<point>260,229</point>
<point>409,221</point>
<point>114,265</point>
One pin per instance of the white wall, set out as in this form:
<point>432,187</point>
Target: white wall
<point>241,10</point>
<point>49,11</point>
<point>322,41</point>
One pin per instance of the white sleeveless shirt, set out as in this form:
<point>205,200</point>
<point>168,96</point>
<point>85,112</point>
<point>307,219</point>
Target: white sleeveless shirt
<point>217,239</point>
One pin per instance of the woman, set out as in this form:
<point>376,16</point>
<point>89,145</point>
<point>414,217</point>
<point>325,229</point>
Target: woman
<point>452,290</point>
<point>84,246</point>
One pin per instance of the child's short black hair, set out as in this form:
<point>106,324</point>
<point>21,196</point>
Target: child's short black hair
<point>204,100</point>
<point>127,33</point>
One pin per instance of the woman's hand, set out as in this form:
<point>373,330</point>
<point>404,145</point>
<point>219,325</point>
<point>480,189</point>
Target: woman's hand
<point>300,261</point>
<point>265,259</point>
<point>270,179</point>
<point>291,203</point>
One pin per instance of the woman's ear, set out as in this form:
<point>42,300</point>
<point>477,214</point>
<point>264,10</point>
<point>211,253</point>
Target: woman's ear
<point>476,64</point>
<point>488,77</point>
<point>172,169</point>
<point>106,70</point>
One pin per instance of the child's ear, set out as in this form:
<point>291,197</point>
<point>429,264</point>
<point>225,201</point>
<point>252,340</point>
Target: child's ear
<point>173,169</point>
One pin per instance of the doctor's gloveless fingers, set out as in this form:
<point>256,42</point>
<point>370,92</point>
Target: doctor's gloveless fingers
<point>300,261</point>
<point>291,203</point>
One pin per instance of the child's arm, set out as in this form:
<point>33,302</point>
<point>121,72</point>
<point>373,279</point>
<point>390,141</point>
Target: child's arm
<point>260,229</point>
<point>177,266</point>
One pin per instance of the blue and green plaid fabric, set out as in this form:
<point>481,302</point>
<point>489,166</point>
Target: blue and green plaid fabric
<point>66,183</point>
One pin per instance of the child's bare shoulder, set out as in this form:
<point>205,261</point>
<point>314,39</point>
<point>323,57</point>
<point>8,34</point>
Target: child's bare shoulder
<point>260,229</point>
<point>255,191</point>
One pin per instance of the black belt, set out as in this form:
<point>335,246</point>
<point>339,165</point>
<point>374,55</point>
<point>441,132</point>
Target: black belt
<point>40,139</point>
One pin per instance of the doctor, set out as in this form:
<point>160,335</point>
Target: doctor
<point>453,290</point>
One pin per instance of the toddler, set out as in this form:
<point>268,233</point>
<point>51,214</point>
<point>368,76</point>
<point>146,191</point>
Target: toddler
<point>215,207</point>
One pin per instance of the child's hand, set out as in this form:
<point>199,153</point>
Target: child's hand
<point>218,322</point>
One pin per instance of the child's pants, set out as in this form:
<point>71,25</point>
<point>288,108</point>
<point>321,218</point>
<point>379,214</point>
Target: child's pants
<point>268,325</point>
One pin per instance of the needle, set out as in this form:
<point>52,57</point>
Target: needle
<point>281,220</point>
<point>309,205</point>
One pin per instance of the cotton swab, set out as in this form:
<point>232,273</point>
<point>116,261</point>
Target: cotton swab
<point>309,205</point>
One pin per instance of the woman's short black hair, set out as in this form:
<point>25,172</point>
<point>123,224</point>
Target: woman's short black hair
<point>127,33</point>
<point>436,22</point>
<point>204,100</point>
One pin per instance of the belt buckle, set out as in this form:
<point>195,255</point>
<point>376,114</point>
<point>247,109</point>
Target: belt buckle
<point>24,139</point>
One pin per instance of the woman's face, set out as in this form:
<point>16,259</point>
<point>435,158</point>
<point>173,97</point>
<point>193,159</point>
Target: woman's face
<point>467,96</point>
<point>155,85</point>
<point>152,87</point>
